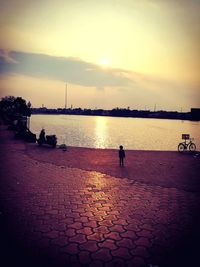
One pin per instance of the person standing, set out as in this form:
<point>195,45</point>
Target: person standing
<point>121,155</point>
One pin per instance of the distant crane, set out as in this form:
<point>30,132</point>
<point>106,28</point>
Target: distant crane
<point>66,96</point>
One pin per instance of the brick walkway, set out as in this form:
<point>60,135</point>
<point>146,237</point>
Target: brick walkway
<point>58,216</point>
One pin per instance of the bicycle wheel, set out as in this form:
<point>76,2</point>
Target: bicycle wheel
<point>181,147</point>
<point>192,147</point>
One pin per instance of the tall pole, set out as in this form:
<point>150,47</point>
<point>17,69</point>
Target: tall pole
<point>66,96</point>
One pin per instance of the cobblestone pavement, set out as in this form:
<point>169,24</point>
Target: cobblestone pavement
<point>58,216</point>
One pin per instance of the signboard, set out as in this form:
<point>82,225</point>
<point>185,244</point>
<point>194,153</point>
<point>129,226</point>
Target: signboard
<point>185,136</point>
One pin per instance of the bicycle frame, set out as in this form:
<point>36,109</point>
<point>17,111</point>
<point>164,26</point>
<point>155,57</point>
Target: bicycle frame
<point>187,144</point>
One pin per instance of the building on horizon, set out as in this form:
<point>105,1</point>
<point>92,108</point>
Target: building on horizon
<point>195,113</point>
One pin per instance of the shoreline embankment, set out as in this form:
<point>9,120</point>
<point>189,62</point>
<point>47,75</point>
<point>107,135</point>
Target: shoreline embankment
<point>160,168</point>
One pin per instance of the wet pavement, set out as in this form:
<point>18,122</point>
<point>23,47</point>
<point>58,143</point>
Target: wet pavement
<point>58,216</point>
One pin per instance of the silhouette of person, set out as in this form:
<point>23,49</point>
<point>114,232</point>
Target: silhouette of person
<point>42,136</point>
<point>121,156</point>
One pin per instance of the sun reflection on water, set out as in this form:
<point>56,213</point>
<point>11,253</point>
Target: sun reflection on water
<point>101,135</point>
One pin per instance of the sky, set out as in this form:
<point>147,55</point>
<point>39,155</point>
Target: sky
<point>110,53</point>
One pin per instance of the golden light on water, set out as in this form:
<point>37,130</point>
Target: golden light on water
<point>101,132</point>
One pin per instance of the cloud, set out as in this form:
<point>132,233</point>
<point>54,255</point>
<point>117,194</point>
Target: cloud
<point>5,57</point>
<point>121,86</point>
<point>72,70</point>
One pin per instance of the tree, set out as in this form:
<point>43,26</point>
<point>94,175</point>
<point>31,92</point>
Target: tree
<point>12,108</point>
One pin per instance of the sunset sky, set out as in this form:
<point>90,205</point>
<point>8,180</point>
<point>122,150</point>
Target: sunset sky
<point>111,53</point>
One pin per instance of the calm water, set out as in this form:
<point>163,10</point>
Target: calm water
<point>109,132</point>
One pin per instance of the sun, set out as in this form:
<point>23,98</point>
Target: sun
<point>104,62</point>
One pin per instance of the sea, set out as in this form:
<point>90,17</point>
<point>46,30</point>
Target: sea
<point>110,132</point>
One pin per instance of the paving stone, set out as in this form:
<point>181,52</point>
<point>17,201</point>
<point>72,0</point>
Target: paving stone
<point>74,261</point>
<point>84,257</point>
<point>145,233</point>
<point>108,243</point>
<point>143,241</point>
<point>96,264</point>
<point>82,219</point>
<point>78,238</point>
<point>89,246</point>
<point>68,220</point>
<point>96,218</point>
<point>114,212</point>
<point>129,234</point>
<point>92,224</point>
<point>126,242</point>
<point>133,227</point>
<point>104,208</point>
<point>60,227</point>
<point>96,237</point>
<point>60,241</point>
<point>141,252</point>
<point>44,243</point>
<point>76,225</point>
<point>122,253</point>
<point>106,223</point>
<point>53,212</point>
<point>36,236</point>
<point>51,234</point>
<point>101,230</point>
<point>102,254</point>
<point>70,232</point>
<point>72,248</point>
<point>43,228</point>
<point>136,262</point>
<point>85,230</point>
<point>117,228</point>
<point>120,222</point>
<point>113,235</point>
<point>110,217</point>
<point>116,262</point>
<point>86,214</point>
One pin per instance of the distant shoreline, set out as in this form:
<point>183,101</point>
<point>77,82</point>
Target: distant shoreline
<point>121,113</point>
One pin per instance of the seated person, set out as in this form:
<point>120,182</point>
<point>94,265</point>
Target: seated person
<point>42,136</point>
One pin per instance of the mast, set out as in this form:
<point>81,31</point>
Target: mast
<point>66,96</point>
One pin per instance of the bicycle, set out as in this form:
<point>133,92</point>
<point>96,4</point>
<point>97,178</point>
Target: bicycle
<point>184,145</point>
